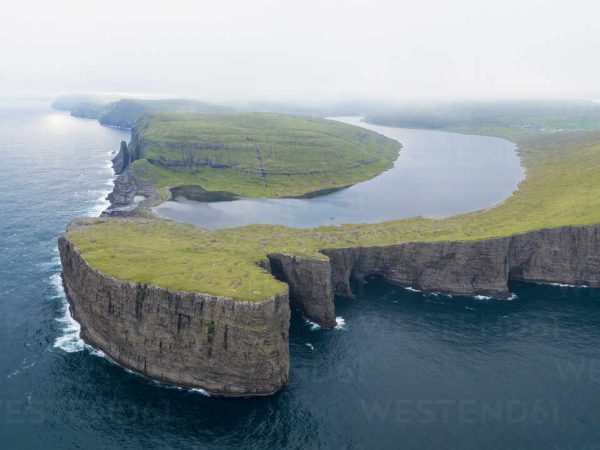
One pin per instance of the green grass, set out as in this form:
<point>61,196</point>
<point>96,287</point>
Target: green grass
<point>562,188</point>
<point>257,154</point>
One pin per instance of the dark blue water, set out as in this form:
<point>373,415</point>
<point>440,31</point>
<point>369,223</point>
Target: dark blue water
<point>404,371</point>
<point>437,174</point>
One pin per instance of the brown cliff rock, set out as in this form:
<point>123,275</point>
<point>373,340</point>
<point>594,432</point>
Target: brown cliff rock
<point>226,347</point>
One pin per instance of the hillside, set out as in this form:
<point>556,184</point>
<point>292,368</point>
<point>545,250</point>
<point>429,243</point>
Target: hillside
<point>256,154</point>
<point>123,113</point>
<point>532,115</point>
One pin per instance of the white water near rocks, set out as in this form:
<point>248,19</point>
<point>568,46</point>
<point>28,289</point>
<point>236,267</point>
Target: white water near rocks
<point>71,341</point>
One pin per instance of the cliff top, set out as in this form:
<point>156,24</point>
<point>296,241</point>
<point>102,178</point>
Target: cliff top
<point>257,154</point>
<point>124,112</point>
<point>562,188</point>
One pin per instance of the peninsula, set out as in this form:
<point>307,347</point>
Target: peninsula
<point>210,308</point>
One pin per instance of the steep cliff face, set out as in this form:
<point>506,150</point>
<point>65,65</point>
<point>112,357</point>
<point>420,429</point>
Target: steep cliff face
<point>226,347</point>
<point>468,268</point>
<point>237,348</point>
<point>121,160</point>
<point>310,286</point>
<point>129,194</point>
<point>568,255</point>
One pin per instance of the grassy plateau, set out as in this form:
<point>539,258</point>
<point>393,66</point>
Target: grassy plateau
<point>562,188</point>
<point>256,154</point>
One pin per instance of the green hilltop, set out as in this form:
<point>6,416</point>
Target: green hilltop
<point>562,188</point>
<point>256,154</point>
<point>125,112</point>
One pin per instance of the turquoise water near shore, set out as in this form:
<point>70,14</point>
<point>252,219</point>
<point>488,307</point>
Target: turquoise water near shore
<point>404,370</point>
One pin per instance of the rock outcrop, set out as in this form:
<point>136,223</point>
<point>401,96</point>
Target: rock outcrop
<point>224,346</point>
<point>122,159</point>
<point>464,268</point>
<point>129,194</point>
<point>569,255</point>
<point>310,286</point>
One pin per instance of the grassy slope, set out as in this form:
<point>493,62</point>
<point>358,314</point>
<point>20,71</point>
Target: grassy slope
<point>265,155</point>
<point>562,188</point>
<point>537,115</point>
<point>125,112</point>
<point>110,110</point>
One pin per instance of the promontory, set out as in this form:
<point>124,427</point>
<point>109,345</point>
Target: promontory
<point>210,308</point>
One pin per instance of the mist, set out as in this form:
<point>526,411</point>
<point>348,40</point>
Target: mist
<point>312,51</point>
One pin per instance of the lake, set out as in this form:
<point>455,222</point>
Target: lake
<point>437,174</point>
<point>403,370</point>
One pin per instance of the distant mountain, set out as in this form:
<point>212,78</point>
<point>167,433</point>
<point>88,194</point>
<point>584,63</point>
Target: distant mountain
<point>124,113</point>
<point>549,115</point>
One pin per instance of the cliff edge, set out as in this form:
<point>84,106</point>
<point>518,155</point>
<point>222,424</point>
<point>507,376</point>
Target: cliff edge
<point>226,347</point>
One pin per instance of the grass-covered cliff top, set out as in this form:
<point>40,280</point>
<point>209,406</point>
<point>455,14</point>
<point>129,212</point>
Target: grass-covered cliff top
<point>256,154</point>
<point>562,188</point>
<point>125,112</point>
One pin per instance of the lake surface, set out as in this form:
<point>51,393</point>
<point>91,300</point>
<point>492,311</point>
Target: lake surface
<point>437,174</point>
<point>405,370</point>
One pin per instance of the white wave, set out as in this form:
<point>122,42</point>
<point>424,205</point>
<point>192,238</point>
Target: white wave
<point>313,325</point>
<point>482,297</point>
<point>309,345</point>
<point>340,324</point>
<point>198,391</point>
<point>101,204</point>
<point>70,341</point>
<point>25,366</point>
<point>411,289</point>
<point>172,386</point>
<point>583,286</point>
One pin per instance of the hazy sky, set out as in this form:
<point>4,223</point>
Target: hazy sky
<point>303,49</point>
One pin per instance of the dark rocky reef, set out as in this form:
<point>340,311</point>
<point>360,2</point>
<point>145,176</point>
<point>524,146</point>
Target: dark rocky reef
<point>224,346</point>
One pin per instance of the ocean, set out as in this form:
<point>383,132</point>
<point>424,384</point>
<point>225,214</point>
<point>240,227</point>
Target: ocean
<point>401,370</point>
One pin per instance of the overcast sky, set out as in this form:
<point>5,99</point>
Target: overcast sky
<point>303,49</point>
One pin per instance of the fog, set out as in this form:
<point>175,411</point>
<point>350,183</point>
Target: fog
<point>309,50</point>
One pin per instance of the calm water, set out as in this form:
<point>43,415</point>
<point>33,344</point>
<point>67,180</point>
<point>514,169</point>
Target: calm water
<point>405,370</point>
<point>437,174</point>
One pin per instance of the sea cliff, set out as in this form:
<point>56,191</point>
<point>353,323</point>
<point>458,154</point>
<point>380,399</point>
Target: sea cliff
<point>189,339</point>
<point>240,348</point>
<point>565,255</point>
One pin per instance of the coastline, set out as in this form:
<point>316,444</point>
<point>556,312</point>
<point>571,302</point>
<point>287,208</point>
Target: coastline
<point>479,267</point>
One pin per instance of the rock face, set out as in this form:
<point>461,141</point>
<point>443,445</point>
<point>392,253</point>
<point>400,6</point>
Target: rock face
<point>128,194</point>
<point>569,255</point>
<point>223,346</point>
<point>467,268</point>
<point>121,160</point>
<point>310,286</point>
<point>238,348</point>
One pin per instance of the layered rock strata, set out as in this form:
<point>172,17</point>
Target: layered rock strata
<point>224,346</point>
